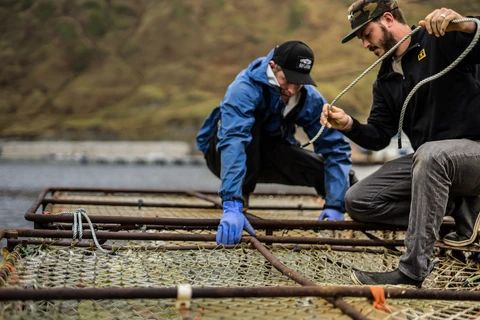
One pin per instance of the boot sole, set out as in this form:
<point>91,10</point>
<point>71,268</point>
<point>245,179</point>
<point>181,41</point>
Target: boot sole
<point>468,241</point>
<point>355,280</point>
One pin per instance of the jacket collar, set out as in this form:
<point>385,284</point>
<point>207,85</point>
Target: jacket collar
<point>386,69</point>
<point>257,70</point>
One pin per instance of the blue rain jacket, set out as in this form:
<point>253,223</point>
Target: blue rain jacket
<point>236,115</point>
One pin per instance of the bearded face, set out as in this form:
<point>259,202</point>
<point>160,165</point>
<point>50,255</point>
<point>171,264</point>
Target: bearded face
<point>384,43</point>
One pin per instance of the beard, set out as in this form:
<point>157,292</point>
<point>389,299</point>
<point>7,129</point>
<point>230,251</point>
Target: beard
<point>387,43</point>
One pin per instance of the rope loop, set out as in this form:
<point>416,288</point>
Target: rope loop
<point>77,227</point>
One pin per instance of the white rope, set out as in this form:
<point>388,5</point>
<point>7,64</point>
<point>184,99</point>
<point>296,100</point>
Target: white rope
<point>77,227</point>
<point>382,58</point>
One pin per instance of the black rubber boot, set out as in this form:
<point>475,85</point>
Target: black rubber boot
<point>467,223</point>
<point>393,277</point>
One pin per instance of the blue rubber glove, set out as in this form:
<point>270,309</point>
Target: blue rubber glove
<point>232,223</point>
<point>331,214</point>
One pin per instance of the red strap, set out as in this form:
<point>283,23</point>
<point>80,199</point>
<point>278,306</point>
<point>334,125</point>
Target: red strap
<point>379,300</point>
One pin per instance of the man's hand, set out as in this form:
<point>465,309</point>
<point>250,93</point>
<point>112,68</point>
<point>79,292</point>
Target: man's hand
<point>336,118</point>
<point>331,215</point>
<point>438,22</point>
<point>232,223</point>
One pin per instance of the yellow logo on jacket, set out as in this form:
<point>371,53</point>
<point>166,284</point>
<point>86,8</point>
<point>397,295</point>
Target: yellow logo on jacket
<point>422,55</point>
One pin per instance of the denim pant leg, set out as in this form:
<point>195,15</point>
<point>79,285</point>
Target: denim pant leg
<point>384,196</point>
<point>440,169</point>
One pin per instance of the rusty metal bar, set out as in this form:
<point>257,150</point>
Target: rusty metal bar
<point>331,241</point>
<point>119,227</point>
<point>138,204</point>
<point>10,294</point>
<point>36,204</point>
<point>122,235</point>
<point>153,191</point>
<point>373,237</point>
<point>297,277</point>
<point>201,223</point>
<point>84,244</point>
<point>205,197</point>
<point>44,218</point>
<point>29,233</point>
<point>151,204</point>
<point>256,223</point>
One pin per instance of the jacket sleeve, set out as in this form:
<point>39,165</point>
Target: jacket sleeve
<point>462,41</point>
<point>337,159</point>
<point>381,124</point>
<point>454,43</point>
<point>234,135</point>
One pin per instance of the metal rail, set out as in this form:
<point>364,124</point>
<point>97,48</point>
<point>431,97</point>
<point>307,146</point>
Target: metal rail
<point>259,223</point>
<point>10,294</point>
<point>122,235</point>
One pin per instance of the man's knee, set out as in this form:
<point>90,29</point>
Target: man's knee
<point>432,154</point>
<point>356,203</point>
<point>363,205</point>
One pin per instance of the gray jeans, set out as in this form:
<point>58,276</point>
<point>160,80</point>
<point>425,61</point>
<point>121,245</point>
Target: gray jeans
<point>418,190</point>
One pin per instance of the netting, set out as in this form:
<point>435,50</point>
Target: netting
<point>327,267</point>
<point>254,308</point>
<point>149,264</point>
<point>51,266</point>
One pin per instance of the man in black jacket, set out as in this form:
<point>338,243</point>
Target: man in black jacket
<point>442,122</point>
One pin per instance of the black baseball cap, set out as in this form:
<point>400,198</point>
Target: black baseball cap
<point>362,12</point>
<point>296,60</point>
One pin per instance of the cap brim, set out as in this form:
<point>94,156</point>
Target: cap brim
<point>353,33</point>
<point>298,77</point>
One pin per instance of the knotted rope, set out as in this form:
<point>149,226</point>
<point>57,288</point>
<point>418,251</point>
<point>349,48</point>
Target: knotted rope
<point>77,227</point>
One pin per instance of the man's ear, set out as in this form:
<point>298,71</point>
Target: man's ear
<point>388,19</point>
<point>272,64</point>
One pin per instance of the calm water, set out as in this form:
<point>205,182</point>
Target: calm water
<point>21,182</point>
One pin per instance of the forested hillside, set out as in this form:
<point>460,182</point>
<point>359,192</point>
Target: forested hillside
<point>152,69</point>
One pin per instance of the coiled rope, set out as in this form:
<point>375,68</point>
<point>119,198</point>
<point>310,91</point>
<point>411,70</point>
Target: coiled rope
<point>412,92</point>
<point>77,227</point>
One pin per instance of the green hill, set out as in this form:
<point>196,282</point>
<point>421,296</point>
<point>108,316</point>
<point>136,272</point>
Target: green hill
<point>152,69</point>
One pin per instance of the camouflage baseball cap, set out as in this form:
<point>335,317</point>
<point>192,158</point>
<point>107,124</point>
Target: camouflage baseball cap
<point>362,12</point>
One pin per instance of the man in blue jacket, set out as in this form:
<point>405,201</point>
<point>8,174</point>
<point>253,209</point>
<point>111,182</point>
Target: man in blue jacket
<point>249,138</point>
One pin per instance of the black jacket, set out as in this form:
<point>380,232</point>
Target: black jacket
<point>446,108</point>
